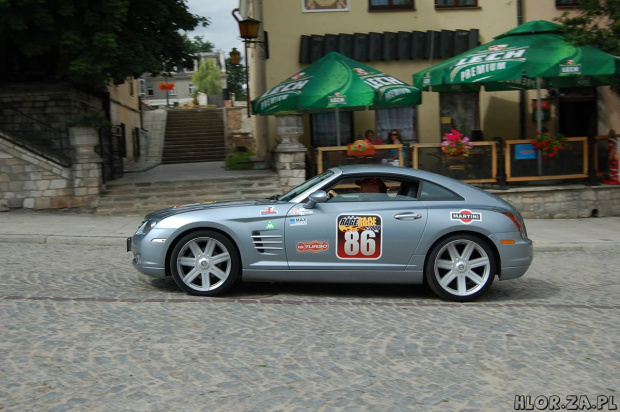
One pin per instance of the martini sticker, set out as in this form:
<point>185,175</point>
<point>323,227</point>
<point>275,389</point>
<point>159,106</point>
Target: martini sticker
<point>466,216</point>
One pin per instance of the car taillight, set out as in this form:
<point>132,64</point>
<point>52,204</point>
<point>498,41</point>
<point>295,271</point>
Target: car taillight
<point>520,226</point>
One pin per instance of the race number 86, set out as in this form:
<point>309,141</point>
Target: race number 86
<point>359,237</point>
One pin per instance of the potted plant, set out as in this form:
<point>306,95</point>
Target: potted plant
<point>550,145</point>
<point>454,144</point>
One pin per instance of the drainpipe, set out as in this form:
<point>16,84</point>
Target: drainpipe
<point>522,101</point>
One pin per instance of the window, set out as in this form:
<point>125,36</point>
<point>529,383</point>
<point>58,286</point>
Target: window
<point>390,5</point>
<point>372,189</point>
<point>150,91</point>
<point>403,119</point>
<point>172,92</point>
<point>192,89</point>
<point>455,3</point>
<point>324,129</point>
<point>432,191</point>
<point>567,3</point>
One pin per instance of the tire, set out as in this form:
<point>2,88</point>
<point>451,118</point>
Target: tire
<point>204,263</point>
<point>460,268</point>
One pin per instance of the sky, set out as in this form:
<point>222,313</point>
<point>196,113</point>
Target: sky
<point>223,31</point>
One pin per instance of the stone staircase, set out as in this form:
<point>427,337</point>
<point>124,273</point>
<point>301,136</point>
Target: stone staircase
<point>194,135</point>
<point>131,199</point>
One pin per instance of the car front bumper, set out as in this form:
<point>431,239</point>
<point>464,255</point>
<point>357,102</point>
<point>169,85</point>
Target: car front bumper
<point>149,252</point>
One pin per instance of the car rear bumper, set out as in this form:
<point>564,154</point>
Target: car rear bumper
<point>515,258</point>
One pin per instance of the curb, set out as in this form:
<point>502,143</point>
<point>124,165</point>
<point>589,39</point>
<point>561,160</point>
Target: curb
<point>65,240</point>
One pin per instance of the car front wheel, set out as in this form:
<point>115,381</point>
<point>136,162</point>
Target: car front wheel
<point>204,263</point>
<point>460,268</point>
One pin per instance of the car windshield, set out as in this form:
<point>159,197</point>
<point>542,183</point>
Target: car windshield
<point>305,186</point>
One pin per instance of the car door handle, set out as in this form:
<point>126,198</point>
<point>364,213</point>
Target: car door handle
<point>408,216</point>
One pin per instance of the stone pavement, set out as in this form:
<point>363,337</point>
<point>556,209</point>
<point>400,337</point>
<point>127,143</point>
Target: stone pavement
<point>25,226</point>
<point>84,331</point>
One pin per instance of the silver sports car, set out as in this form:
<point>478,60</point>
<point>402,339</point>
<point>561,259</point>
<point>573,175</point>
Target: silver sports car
<point>362,224</point>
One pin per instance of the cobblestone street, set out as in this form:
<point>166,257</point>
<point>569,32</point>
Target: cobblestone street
<point>82,330</point>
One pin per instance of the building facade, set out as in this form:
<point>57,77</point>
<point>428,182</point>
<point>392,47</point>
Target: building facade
<point>184,90</point>
<point>403,37</point>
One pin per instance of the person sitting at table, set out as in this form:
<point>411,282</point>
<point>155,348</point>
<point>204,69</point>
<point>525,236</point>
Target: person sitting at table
<point>372,138</point>
<point>394,137</point>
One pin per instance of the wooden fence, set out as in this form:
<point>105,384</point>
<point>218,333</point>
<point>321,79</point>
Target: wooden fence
<point>488,162</point>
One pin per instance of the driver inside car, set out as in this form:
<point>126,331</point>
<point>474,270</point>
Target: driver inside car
<point>371,185</point>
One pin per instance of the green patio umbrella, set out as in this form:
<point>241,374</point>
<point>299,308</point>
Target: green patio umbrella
<point>530,56</point>
<point>333,83</point>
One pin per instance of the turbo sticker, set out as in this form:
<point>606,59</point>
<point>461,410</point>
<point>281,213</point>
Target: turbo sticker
<point>466,216</point>
<point>359,237</point>
<point>314,246</point>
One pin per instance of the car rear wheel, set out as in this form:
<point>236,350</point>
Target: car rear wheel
<point>204,263</point>
<point>460,268</point>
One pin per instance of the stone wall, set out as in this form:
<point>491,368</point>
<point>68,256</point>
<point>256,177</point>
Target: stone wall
<point>564,202</point>
<point>30,181</point>
<point>236,134</point>
<point>151,140</point>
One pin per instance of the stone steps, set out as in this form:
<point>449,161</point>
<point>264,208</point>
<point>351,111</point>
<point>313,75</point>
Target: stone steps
<point>140,198</point>
<point>194,136</point>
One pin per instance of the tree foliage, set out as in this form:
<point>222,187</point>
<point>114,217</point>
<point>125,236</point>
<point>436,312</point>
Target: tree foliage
<point>597,23</point>
<point>198,44</point>
<point>207,77</point>
<point>94,42</point>
<point>236,79</point>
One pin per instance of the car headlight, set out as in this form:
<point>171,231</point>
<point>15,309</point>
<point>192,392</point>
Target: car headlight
<point>149,225</point>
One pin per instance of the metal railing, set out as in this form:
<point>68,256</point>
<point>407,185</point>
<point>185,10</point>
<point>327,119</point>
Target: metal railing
<point>35,135</point>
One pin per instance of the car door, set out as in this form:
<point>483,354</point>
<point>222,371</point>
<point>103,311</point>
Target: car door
<point>355,232</point>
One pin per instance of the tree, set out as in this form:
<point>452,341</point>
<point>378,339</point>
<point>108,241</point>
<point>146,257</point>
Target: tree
<point>236,79</point>
<point>93,42</point>
<point>597,23</point>
<point>198,44</point>
<point>207,78</point>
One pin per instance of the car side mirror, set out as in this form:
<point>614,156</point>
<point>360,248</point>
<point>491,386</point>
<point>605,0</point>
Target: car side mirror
<point>320,196</point>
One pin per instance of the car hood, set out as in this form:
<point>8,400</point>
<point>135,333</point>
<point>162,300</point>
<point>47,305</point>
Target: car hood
<point>175,210</point>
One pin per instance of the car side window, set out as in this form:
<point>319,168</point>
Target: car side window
<point>372,189</point>
<point>432,191</point>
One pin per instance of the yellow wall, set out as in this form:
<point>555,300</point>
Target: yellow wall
<point>125,108</point>
<point>285,23</point>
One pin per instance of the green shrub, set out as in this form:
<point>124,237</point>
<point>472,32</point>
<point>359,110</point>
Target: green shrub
<point>240,159</point>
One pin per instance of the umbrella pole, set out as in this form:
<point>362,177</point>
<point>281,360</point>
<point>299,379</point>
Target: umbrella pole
<point>538,122</point>
<point>337,126</point>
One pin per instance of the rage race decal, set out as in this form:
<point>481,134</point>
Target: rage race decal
<point>359,237</point>
<point>466,216</point>
<point>314,246</point>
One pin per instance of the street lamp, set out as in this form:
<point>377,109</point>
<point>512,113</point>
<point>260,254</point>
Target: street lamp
<point>248,31</point>
<point>235,57</point>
